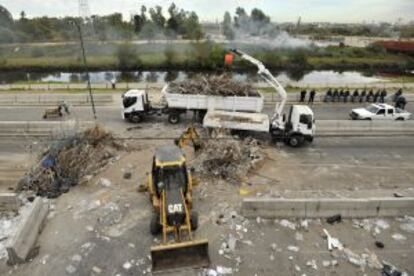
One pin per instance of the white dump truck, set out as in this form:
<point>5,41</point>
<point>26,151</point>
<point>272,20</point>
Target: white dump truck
<point>294,129</point>
<point>136,105</point>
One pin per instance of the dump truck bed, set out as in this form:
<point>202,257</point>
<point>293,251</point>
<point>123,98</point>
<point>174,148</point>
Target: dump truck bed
<point>210,102</point>
<point>237,120</point>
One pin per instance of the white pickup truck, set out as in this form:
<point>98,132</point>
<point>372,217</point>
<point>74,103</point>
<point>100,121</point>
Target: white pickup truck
<point>379,112</point>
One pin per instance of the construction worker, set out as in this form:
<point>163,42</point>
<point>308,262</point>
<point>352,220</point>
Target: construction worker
<point>328,96</point>
<point>346,95</point>
<point>302,95</point>
<point>113,83</point>
<point>401,102</point>
<point>362,96</point>
<point>312,96</point>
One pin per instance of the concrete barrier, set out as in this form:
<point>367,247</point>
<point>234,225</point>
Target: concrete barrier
<point>31,224</point>
<point>9,202</point>
<point>53,99</point>
<point>41,128</point>
<point>363,128</point>
<point>324,207</point>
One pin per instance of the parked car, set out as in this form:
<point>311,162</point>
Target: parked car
<point>379,112</point>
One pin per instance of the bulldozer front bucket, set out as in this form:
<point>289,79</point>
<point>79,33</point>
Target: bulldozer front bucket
<point>188,254</point>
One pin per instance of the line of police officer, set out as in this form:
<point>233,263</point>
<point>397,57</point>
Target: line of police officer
<point>344,95</point>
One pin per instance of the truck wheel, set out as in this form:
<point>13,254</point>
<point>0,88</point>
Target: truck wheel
<point>194,220</point>
<point>155,226</point>
<point>400,119</point>
<point>135,118</point>
<point>174,119</point>
<point>295,141</point>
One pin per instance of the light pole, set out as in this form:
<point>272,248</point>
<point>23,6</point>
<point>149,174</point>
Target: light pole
<point>78,27</point>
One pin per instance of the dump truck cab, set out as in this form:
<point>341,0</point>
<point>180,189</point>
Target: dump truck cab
<point>170,187</point>
<point>136,104</point>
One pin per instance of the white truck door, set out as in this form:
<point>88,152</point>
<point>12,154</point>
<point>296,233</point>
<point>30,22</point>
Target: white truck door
<point>390,113</point>
<point>381,115</point>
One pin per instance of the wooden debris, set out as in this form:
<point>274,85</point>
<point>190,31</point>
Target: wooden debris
<point>213,85</point>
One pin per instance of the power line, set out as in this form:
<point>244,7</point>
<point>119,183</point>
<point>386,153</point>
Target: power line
<point>84,11</point>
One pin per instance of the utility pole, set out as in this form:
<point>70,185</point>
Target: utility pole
<point>78,27</point>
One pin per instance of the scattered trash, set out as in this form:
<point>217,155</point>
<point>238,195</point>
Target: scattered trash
<point>293,248</point>
<point>382,224</point>
<point>312,264</point>
<point>142,188</point>
<point>326,263</point>
<point>398,195</point>
<point>379,244</point>
<point>390,270</point>
<point>105,182</point>
<point>399,237</point>
<point>127,175</point>
<point>288,224</point>
<point>298,236</point>
<point>97,270</point>
<point>127,265</point>
<point>334,219</point>
<point>221,270</point>
<point>70,269</point>
<point>407,224</point>
<point>77,258</point>
<point>332,242</point>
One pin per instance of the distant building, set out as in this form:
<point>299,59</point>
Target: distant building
<point>397,46</point>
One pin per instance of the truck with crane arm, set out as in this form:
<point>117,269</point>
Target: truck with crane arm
<point>295,129</point>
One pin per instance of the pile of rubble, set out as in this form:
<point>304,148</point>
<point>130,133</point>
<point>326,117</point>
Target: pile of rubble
<point>213,85</point>
<point>228,158</point>
<point>68,160</point>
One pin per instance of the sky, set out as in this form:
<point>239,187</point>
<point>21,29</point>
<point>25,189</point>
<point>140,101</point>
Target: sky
<point>342,11</point>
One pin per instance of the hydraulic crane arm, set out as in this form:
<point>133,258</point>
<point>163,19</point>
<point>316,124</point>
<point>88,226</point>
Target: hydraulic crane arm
<point>272,81</point>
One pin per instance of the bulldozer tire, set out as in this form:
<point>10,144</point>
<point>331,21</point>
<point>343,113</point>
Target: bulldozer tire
<point>155,226</point>
<point>194,220</point>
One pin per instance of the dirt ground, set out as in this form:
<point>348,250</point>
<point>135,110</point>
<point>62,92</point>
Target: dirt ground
<point>103,229</point>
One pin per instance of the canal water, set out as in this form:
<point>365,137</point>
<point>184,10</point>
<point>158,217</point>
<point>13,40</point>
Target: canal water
<point>285,77</point>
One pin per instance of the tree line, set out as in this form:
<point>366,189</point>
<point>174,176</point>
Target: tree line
<point>149,24</point>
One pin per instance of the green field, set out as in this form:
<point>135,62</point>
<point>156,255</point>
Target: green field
<point>189,56</point>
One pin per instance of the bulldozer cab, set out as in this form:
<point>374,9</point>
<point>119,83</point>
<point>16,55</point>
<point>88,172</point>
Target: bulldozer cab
<point>169,170</point>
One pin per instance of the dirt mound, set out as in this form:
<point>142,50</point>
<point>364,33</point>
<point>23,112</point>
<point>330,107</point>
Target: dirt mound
<point>67,160</point>
<point>213,85</point>
<point>228,158</point>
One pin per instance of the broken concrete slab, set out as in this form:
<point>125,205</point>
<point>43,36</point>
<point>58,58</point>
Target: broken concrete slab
<point>9,202</point>
<point>326,207</point>
<point>20,245</point>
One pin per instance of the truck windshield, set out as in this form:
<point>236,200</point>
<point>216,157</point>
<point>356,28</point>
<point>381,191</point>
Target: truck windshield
<point>372,109</point>
<point>129,101</point>
<point>305,119</point>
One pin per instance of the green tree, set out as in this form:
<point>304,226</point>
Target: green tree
<point>298,58</point>
<point>193,27</point>
<point>227,26</point>
<point>157,17</point>
<point>127,56</point>
<point>170,55</point>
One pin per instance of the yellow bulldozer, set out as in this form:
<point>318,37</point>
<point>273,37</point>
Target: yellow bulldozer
<point>170,187</point>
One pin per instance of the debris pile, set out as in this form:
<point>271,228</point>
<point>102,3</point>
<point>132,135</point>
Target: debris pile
<point>68,160</point>
<point>228,158</point>
<point>213,85</point>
